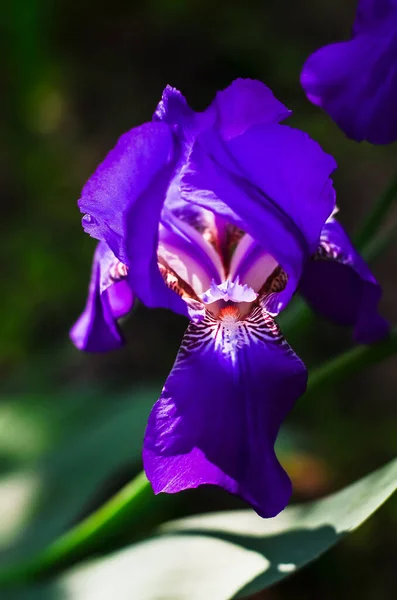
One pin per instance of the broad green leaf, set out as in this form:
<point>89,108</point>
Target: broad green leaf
<point>43,499</point>
<point>225,555</point>
<point>32,425</point>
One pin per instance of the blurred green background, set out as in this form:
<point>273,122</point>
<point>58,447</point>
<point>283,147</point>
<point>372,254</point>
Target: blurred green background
<point>76,76</point>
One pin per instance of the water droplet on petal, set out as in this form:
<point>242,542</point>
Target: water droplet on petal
<point>88,220</point>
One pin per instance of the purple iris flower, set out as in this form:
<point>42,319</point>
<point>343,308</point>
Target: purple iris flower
<point>356,81</point>
<point>217,215</point>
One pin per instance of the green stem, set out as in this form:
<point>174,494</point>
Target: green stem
<point>376,217</point>
<point>112,516</point>
<point>353,360</point>
<point>379,244</point>
<point>84,537</point>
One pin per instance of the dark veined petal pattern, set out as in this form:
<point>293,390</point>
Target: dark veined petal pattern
<point>217,419</point>
<point>109,298</point>
<point>339,285</point>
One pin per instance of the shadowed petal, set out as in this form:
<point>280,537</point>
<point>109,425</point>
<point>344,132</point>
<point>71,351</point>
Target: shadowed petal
<point>355,82</point>
<point>291,170</point>
<point>221,408</point>
<point>273,183</point>
<point>109,298</point>
<point>339,285</point>
<point>370,12</point>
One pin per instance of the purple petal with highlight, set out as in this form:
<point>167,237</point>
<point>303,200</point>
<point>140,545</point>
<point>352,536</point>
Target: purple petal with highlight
<point>220,411</point>
<point>123,201</point>
<point>244,103</point>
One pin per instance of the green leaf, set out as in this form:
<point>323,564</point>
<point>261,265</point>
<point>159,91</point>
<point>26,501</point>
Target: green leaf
<point>224,555</point>
<point>41,500</point>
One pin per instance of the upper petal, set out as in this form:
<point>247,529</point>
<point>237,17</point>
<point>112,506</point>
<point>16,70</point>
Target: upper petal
<point>128,171</point>
<point>339,285</point>
<point>172,108</point>
<point>123,201</point>
<point>244,103</point>
<point>272,182</point>
<point>142,227</point>
<point>291,170</point>
<point>356,82</point>
<point>220,411</point>
<point>109,298</point>
<point>188,254</point>
<point>250,263</point>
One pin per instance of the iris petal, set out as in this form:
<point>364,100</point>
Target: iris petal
<point>126,173</point>
<point>356,81</point>
<point>370,12</point>
<point>173,108</point>
<point>124,199</point>
<point>292,172</point>
<point>235,109</point>
<point>273,183</point>
<point>190,252</point>
<point>221,408</point>
<point>109,298</point>
<point>340,286</point>
<point>251,264</point>
<point>244,103</point>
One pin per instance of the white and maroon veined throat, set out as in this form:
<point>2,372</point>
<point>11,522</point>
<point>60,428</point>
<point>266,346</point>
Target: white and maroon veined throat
<point>217,268</point>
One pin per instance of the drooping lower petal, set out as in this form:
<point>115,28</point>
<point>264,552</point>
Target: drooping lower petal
<point>217,420</point>
<point>340,286</point>
<point>109,298</point>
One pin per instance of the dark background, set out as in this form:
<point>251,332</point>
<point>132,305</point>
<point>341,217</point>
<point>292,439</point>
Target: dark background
<point>76,76</point>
